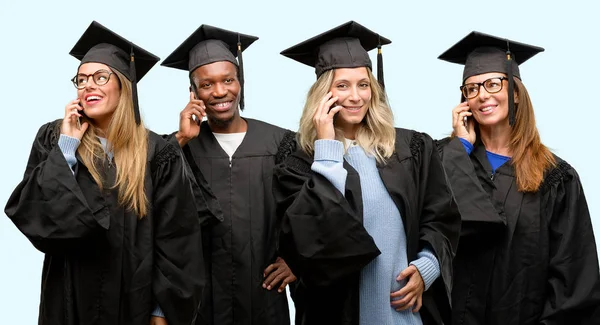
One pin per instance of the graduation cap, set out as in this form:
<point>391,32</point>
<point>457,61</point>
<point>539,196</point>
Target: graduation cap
<point>210,44</point>
<point>100,44</point>
<point>344,46</point>
<point>482,53</point>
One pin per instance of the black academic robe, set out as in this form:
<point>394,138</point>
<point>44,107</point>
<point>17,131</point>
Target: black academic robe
<point>244,243</point>
<point>323,239</point>
<point>103,265</point>
<point>523,258</point>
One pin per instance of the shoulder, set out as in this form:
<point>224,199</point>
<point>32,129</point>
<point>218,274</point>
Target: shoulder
<point>562,172</point>
<point>160,152</point>
<point>413,141</point>
<point>48,134</point>
<point>297,161</point>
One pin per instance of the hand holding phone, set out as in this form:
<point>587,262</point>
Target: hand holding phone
<point>463,127</point>
<point>71,124</point>
<point>324,116</point>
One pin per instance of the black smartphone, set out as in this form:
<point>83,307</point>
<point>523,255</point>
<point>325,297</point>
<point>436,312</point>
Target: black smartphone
<point>332,106</point>
<point>78,117</point>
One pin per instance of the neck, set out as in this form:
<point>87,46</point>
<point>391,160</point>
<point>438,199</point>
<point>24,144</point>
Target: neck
<point>349,130</point>
<point>236,125</point>
<point>496,138</point>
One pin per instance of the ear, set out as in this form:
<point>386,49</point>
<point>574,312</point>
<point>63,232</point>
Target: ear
<point>516,97</point>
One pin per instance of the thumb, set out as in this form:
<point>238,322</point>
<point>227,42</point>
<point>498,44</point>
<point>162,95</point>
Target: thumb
<point>84,127</point>
<point>405,273</point>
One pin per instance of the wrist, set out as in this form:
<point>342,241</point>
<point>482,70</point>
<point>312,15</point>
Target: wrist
<point>181,139</point>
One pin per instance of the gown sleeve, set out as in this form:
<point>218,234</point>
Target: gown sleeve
<point>322,239</point>
<point>478,215</point>
<point>573,289</point>
<point>178,276</point>
<point>440,221</point>
<point>209,209</point>
<point>49,206</point>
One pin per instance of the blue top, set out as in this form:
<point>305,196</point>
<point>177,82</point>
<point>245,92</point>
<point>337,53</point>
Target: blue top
<point>382,220</point>
<point>495,160</point>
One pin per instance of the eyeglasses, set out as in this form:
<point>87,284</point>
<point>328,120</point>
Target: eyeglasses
<point>101,77</point>
<point>492,86</point>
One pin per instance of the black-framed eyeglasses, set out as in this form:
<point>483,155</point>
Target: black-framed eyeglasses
<point>492,86</point>
<point>101,77</point>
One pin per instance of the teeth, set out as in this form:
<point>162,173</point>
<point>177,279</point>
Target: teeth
<point>486,109</point>
<point>94,98</point>
<point>222,104</point>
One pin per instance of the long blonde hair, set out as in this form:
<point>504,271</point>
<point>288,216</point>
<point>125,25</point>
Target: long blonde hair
<point>376,134</point>
<point>129,144</point>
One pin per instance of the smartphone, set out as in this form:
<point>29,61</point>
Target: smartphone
<point>332,106</point>
<point>79,117</point>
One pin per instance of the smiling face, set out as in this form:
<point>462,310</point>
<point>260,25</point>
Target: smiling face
<point>218,87</point>
<point>99,102</point>
<point>489,109</point>
<point>353,89</point>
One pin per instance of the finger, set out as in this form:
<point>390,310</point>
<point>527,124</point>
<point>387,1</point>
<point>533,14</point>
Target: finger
<point>196,111</point>
<point>273,278</point>
<point>334,111</point>
<point>270,277</point>
<point>280,277</point>
<point>408,305</point>
<point>200,108</point>
<point>419,304</point>
<point>464,106</point>
<point>84,127</point>
<point>403,301</point>
<point>269,269</point>
<point>326,109</point>
<point>192,96</point>
<point>284,283</point>
<point>406,273</point>
<point>407,289</point>
<point>322,105</point>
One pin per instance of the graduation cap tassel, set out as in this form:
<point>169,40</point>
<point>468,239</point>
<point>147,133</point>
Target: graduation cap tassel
<point>134,92</point>
<point>241,72</point>
<point>380,65</point>
<point>511,86</point>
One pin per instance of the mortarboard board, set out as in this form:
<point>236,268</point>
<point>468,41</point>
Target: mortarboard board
<point>100,44</point>
<point>344,46</point>
<point>209,44</point>
<point>482,53</point>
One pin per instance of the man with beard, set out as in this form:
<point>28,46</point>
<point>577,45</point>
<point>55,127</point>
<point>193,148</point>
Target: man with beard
<point>234,157</point>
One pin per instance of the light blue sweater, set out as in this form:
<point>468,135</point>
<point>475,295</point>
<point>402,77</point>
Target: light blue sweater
<point>383,222</point>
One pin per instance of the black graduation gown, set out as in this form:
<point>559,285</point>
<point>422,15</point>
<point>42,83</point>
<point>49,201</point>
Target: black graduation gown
<point>523,258</point>
<point>239,248</point>
<point>104,265</point>
<point>323,239</point>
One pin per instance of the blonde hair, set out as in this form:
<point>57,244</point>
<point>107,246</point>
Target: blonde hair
<point>129,144</point>
<point>376,134</point>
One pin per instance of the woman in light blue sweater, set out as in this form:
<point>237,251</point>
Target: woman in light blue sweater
<point>369,224</point>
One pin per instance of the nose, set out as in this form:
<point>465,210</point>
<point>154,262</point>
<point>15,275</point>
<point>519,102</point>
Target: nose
<point>354,96</point>
<point>219,90</point>
<point>483,93</point>
<point>90,84</point>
